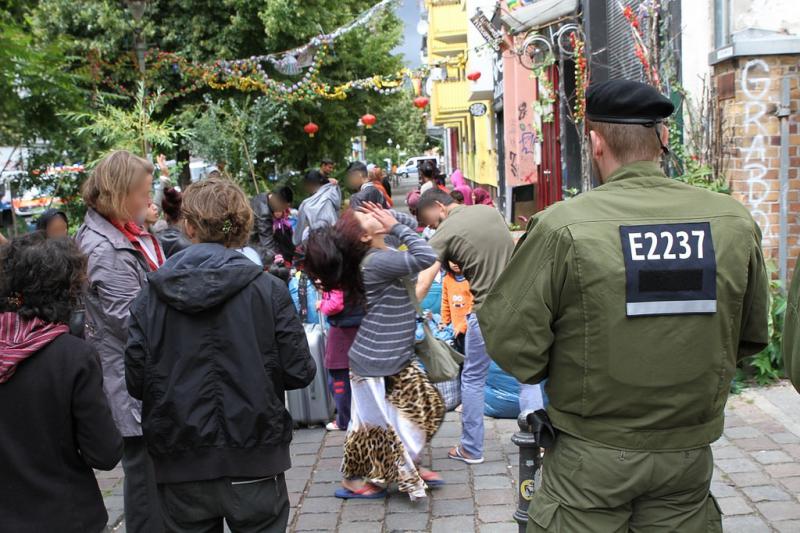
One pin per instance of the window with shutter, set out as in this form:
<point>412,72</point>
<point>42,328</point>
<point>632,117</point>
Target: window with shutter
<point>622,61</point>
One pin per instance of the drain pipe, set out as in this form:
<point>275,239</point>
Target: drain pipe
<point>783,113</point>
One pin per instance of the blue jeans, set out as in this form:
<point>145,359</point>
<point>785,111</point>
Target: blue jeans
<point>473,382</point>
<point>339,385</point>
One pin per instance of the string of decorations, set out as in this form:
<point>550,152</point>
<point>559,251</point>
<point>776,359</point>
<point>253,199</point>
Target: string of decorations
<point>161,65</point>
<point>581,76</point>
<point>640,49</point>
<point>290,61</point>
<point>249,75</point>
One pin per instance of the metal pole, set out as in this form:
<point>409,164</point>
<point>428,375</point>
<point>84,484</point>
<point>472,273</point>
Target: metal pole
<point>783,113</point>
<point>530,460</point>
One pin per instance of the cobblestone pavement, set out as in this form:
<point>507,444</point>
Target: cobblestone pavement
<point>756,480</point>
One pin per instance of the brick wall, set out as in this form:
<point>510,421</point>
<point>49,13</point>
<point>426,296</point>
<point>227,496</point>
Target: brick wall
<point>749,92</point>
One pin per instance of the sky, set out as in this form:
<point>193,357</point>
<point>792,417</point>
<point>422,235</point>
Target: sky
<point>409,14</point>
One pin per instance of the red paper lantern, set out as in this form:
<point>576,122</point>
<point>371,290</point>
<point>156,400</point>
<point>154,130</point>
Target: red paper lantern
<point>474,76</point>
<point>369,120</point>
<point>421,102</point>
<point>311,129</point>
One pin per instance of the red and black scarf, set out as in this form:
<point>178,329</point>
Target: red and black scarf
<point>21,338</point>
<point>135,235</point>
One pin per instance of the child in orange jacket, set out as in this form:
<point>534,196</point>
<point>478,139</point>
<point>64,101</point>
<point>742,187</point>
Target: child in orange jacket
<point>456,303</point>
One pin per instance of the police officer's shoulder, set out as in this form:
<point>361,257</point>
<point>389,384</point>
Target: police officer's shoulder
<point>557,217</point>
<point>720,201</point>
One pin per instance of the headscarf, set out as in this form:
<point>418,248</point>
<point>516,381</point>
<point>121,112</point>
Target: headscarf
<point>482,197</point>
<point>460,185</point>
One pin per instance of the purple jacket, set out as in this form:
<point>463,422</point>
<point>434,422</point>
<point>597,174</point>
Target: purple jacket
<point>116,272</point>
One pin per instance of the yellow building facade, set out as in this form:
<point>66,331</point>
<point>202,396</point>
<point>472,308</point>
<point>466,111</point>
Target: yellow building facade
<point>472,146</point>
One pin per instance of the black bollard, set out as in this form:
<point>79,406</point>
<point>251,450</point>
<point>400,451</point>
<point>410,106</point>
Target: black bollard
<point>530,461</point>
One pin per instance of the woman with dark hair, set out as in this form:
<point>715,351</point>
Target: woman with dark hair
<point>56,419</point>
<point>172,238</point>
<point>427,176</point>
<point>481,196</point>
<point>394,405</point>
<point>53,223</point>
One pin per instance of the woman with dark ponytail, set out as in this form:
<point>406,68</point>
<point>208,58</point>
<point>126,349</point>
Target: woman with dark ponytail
<point>172,238</point>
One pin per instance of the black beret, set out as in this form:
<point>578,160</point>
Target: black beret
<point>626,102</point>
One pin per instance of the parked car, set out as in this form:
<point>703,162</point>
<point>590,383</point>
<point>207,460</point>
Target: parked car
<point>29,202</point>
<point>410,169</point>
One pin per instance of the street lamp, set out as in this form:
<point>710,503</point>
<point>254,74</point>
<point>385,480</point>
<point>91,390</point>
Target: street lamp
<point>362,136</point>
<point>137,9</point>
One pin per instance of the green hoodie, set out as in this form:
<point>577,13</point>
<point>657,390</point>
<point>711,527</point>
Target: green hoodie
<point>635,301</point>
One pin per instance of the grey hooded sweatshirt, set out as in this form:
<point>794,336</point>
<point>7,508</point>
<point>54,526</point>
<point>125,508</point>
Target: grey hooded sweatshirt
<point>321,209</point>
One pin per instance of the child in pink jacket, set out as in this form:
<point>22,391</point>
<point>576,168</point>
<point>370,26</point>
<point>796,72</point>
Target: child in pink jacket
<point>344,319</point>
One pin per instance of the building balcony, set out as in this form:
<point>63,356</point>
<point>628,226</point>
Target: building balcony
<point>449,98</point>
<point>447,23</point>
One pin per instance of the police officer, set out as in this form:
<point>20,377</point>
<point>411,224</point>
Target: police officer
<point>790,346</point>
<point>634,301</point>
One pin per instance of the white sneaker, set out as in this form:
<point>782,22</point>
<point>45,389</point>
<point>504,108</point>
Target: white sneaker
<point>332,426</point>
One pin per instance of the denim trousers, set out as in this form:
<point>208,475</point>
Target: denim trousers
<point>339,385</point>
<point>473,382</point>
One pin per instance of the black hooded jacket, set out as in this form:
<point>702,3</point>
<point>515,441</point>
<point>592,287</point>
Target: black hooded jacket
<point>213,345</point>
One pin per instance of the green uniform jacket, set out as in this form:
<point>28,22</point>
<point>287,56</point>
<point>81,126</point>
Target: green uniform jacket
<point>560,311</point>
<point>790,347</point>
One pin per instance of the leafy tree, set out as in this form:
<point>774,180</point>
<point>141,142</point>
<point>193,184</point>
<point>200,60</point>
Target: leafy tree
<point>36,82</point>
<point>135,129</point>
<point>206,30</point>
<point>250,126</point>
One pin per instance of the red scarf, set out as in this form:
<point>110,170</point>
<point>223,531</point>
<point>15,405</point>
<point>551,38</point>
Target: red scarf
<point>20,339</point>
<point>133,233</point>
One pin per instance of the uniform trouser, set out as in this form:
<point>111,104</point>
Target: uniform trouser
<point>247,505</point>
<point>142,510</point>
<point>589,487</point>
<point>473,382</point>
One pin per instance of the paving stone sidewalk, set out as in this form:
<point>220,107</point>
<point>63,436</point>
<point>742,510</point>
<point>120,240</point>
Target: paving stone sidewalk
<point>756,479</point>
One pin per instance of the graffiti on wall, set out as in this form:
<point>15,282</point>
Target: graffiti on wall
<point>521,142</point>
<point>755,87</point>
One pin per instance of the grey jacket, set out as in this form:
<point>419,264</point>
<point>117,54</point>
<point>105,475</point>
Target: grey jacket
<point>319,210</point>
<point>116,272</point>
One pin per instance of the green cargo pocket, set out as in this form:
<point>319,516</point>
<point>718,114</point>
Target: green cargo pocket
<point>541,513</point>
<point>713,515</point>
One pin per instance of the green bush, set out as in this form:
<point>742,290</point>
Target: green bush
<point>766,366</point>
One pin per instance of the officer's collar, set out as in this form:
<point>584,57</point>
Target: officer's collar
<point>636,169</point>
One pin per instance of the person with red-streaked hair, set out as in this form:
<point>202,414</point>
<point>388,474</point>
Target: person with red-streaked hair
<point>394,404</point>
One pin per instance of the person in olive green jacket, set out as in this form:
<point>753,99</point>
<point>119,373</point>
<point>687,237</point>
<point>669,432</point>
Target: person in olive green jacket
<point>790,347</point>
<point>635,301</point>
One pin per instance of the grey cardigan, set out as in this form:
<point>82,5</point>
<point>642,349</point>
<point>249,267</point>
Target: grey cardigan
<point>116,272</point>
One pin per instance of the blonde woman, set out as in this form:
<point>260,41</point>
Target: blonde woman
<point>120,254</point>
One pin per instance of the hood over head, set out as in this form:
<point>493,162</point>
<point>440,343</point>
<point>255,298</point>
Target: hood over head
<point>327,193</point>
<point>203,276</point>
<point>457,178</point>
<point>21,338</point>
